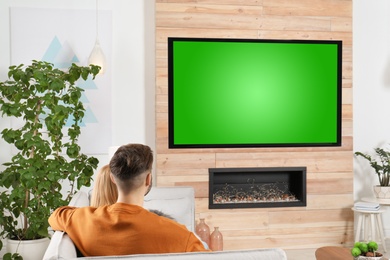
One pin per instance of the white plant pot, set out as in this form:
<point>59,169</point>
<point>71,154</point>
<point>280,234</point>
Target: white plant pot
<point>28,249</point>
<point>382,192</point>
<point>369,258</point>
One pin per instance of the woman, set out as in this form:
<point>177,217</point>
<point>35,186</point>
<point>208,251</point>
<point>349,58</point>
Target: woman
<point>104,191</point>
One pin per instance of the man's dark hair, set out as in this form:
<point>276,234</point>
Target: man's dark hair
<point>129,163</point>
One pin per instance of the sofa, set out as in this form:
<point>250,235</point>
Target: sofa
<point>177,202</point>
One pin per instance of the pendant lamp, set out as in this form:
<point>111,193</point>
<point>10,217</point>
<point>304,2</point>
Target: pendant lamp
<point>97,56</point>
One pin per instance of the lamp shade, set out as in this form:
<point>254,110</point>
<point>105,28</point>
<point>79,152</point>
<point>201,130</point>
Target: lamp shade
<point>97,57</point>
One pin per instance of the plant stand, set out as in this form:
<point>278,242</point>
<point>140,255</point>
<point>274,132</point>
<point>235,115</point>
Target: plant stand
<point>370,221</point>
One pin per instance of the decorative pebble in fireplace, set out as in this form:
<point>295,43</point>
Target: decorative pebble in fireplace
<point>257,187</point>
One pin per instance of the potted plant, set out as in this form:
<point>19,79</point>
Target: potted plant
<point>381,166</point>
<point>366,251</point>
<point>43,100</point>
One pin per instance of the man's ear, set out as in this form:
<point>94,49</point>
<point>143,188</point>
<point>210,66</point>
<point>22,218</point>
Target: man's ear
<point>148,183</point>
<point>148,179</point>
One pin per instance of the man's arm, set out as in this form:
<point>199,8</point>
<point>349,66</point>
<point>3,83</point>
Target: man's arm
<point>60,218</point>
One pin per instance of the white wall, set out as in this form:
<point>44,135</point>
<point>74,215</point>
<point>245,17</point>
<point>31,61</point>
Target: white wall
<point>132,66</point>
<point>371,88</point>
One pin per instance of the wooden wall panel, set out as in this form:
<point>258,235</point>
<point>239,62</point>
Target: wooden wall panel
<point>327,219</point>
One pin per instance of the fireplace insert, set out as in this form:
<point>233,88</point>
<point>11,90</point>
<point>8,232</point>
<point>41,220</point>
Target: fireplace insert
<point>259,187</point>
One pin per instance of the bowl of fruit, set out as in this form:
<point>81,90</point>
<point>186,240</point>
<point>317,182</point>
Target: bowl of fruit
<point>366,251</point>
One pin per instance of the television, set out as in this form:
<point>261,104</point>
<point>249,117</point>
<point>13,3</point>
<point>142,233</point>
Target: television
<point>236,93</point>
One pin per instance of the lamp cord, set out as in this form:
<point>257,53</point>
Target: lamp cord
<point>97,20</point>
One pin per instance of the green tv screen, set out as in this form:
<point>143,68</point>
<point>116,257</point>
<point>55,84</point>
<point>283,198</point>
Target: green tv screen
<point>229,93</point>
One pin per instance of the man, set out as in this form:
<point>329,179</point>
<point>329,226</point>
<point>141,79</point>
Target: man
<point>125,227</point>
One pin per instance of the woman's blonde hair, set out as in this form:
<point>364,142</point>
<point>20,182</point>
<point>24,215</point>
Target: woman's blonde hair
<point>104,191</point>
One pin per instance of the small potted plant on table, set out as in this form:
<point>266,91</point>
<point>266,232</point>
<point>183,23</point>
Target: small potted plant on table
<point>381,166</point>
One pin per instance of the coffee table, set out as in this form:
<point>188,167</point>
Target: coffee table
<point>334,253</point>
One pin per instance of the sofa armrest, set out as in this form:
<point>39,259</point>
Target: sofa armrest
<point>60,247</point>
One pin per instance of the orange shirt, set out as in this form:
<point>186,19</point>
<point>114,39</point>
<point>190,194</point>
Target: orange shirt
<point>123,229</point>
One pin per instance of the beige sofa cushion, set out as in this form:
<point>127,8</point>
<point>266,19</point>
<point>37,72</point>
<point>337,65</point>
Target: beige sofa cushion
<point>178,202</point>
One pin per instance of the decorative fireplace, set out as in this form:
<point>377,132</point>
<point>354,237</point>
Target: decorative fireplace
<point>257,187</point>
